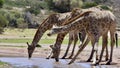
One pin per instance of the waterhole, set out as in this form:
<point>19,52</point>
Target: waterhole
<point>19,62</point>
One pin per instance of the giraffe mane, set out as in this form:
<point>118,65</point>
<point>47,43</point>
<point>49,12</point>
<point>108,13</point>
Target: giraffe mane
<point>72,12</point>
<point>78,16</point>
<point>48,18</point>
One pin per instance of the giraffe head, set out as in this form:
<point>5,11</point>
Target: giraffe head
<point>53,49</point>
<point>30,50</point>
<point>76,12</point>
<point>55,52</point>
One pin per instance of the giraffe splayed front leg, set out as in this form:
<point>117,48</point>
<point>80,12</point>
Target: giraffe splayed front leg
<point>82,46</point>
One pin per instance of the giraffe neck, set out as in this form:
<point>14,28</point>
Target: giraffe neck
<point>61,18</point>
<point>38,36</point>
<point>60,38</point>
<point>41,30</point>
<point>53,19</point>
<point>74,25</point>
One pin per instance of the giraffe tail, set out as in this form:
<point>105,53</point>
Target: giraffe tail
<point>116,37</point>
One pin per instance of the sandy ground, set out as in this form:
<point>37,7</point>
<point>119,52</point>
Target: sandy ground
<point>45,50</point>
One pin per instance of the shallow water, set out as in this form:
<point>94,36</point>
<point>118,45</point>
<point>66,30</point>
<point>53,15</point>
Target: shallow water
<point>18,62</point>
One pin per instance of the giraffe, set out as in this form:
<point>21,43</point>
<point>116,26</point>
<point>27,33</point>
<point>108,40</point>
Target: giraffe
<point>82,33</point>
<point>73,36</point>
<point>96,24</point>
<point>51,46</point>
<point>54,19</point>
<point>73,33</point>
<point>80,11</point>
<point>57,46</point>
<point>74,13</point>
<point>47,24</point>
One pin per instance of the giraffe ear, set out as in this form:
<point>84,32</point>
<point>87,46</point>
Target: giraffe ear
<point>28,44</point>
<point>51,46</point>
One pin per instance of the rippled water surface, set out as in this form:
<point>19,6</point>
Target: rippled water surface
<point>19,62</point>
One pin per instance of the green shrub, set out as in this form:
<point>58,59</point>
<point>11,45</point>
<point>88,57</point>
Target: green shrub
<point>76,3</point>
<point>1,3</point>
<point>3,12</point>
<point>50,4</point>
<point>97,1</point>
<point>8,7</point>
<point>17,15</point>
<point>105,7</point>
<point>21,23</point>
<point>3,23</point>
<point>34,10</point>
<point>89,4</point>
<point>43,5</point>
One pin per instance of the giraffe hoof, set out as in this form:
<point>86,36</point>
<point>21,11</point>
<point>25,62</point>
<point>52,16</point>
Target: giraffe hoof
<point>47,58</point>
<point>63,58</point>
<point>52,57</point>
<point>88,60</point>
<point>108,63</point>
<point>57,60</point>
<point>106,59</point>
<point>69,63</point>
<point>97,59</point>
<point>97,63</point>
<point>70,57</point>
